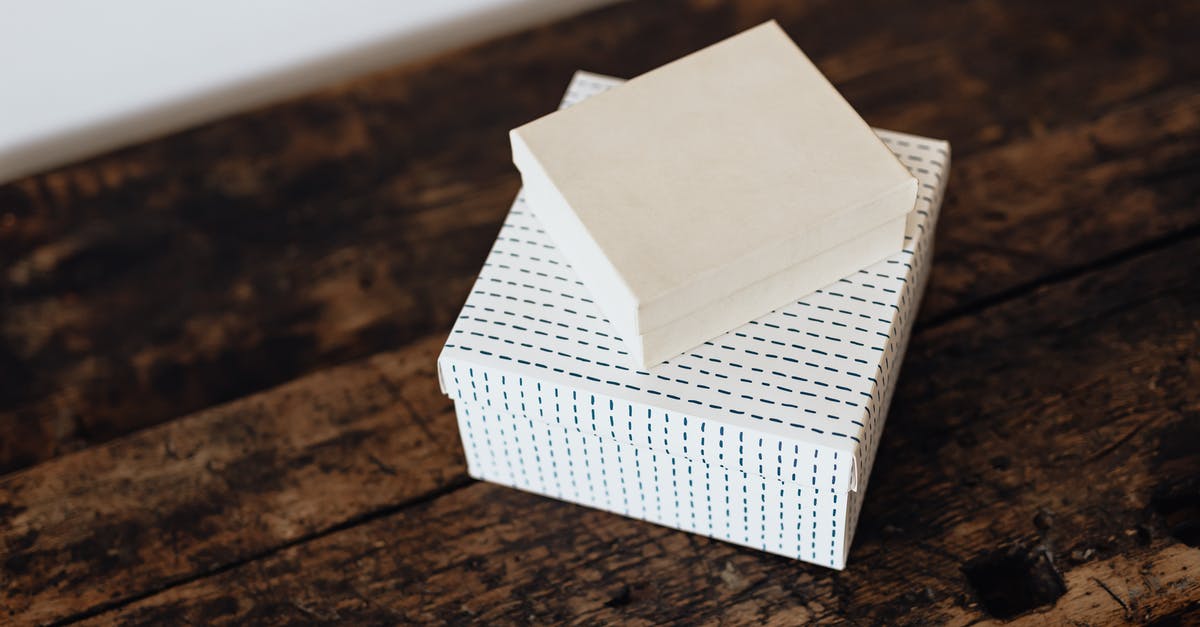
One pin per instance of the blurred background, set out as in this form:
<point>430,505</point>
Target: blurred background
<point>81,77</point>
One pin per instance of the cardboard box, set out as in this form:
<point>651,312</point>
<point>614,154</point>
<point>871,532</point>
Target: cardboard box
<point>709,191</point>
<point>763,436</point>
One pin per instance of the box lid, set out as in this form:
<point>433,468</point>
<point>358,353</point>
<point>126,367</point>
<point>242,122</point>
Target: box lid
<point>709,174</point>
<point>808,383</point>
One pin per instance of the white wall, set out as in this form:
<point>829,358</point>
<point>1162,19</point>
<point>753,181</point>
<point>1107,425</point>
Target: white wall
<point>79,77</point>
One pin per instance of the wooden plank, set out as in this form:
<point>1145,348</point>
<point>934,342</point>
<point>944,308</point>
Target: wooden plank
<point>221,486</point>
<point>493,555</point>
<point>1029,209</point>
<point>1039,453</point>
<point>276,243</point>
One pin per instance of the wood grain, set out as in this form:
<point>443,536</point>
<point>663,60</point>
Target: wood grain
<point>217,488</point>
<point>1062,423</point>
<point>172,276</point>
<point>556,563</point>
<point>1048,205</point>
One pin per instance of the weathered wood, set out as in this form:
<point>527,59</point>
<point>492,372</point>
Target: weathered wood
<point>219,487</point>
<point>1055,202</point>
<point>1049,437</point>
<point>495,556</point>
<point>175,275</point>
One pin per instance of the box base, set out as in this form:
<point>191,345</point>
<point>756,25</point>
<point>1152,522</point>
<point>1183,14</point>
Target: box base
<point>800,520</point>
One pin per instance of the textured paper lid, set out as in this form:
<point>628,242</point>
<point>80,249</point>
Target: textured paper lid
<point>709,174</point>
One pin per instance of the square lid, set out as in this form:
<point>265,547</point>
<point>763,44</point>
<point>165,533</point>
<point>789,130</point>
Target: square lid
<point>709,174</point>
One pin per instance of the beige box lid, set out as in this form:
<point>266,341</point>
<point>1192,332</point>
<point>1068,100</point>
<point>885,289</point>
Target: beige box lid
<point>691,182</point>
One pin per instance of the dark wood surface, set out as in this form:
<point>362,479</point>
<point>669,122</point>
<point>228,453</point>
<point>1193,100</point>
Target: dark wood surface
<point>218,401</point>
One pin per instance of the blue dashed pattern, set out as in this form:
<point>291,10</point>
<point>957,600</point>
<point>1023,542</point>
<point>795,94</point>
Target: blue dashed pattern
<point>793,519</point>
<point>764,436</point>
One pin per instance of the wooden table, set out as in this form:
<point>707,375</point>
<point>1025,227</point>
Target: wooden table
<point>217,389</point>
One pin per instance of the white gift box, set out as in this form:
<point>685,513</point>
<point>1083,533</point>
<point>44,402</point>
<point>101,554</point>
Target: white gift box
<point>762,437</point>
<point>709,191</point>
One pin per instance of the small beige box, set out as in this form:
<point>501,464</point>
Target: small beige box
<point>712,190</point>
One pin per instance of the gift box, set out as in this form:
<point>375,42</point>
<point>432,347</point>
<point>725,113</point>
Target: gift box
<point>763,436</point>
<point>711,190</point>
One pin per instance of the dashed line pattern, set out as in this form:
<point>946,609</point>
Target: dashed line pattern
<point>780,417</point>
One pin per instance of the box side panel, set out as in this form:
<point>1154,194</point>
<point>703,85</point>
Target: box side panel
<point>917,153</point>
<point>804,519</point>
<point>645,426</point>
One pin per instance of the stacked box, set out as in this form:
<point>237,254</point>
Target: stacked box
<point>762,437</point>
<point>711,190</point>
